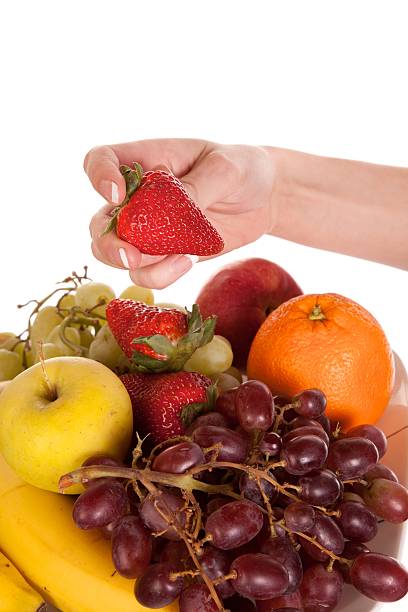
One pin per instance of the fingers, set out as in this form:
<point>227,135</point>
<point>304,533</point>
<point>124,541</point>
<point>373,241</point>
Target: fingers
<point>109,248</point>
<point>213,178</point>
<point>102,167</point>
<point>163,273</point>
<point>102,163</point>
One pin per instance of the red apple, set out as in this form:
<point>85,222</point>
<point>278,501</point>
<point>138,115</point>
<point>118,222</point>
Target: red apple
<point>242,295</point>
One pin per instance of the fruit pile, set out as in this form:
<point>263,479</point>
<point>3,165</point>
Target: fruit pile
<point>235,494</point>
<point>262,506</point>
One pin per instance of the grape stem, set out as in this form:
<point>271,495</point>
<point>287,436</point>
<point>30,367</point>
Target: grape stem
<point>171,519</point>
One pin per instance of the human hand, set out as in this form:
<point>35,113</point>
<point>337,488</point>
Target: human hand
<point>232,184</point>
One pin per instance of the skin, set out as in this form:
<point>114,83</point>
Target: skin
<point>349,207</point>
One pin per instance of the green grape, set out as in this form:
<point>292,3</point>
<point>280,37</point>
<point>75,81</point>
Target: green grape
<point>10,364</point>
<point>67,301</point>
<point>49,351</point>
<point>216,356</point>
<point>86,337</point>
<point>140,294</point>
<point>87,296</point>
<point>9,341</point>
<point>171,305</point>
<point>105,349</point>
<point>45,321</point>
<point>71,333</point>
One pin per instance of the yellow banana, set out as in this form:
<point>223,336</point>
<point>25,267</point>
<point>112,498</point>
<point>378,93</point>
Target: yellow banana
<point>16,595</point>
<point>71,568</point>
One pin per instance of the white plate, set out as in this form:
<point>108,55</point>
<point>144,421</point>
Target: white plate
<point>391,539</point>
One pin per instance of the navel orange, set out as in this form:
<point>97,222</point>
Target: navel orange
<point>330,343</point>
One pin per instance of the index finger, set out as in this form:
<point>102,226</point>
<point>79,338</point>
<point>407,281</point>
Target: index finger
<point>102,163</point>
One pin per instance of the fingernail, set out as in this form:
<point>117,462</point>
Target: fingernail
<point>183,263</point>
<point>115,194</point>
<point>123,257</point>
<point>192,258</point>
<point>110,191</point>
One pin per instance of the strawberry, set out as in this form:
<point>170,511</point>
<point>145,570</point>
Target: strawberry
<point>164,405</point>
<point>159,218</point>
<point>157,339</point>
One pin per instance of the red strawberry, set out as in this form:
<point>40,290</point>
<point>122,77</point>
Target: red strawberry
<point>158,216</point>
<point>164,405</point>
<point>157,339</point>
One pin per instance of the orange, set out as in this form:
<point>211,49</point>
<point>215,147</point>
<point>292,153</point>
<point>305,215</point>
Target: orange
<point>327,342</point>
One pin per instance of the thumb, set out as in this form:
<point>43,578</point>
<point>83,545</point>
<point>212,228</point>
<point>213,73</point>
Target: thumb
<point>212,179</point>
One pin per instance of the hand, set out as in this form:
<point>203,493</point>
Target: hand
<point>232,184</point>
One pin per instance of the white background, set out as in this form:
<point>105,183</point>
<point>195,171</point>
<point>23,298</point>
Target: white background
<point>326,77</point>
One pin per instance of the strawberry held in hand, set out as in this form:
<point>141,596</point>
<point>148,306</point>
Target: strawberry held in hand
<point>164,405</point>
<point>159,218</point>
<point>157,339</point>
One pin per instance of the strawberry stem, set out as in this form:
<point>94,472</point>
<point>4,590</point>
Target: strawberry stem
<point>133,178</point>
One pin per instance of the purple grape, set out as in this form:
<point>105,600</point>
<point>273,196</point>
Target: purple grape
<point>100,504</point>
<point>234,524</point>
<point>388,499</point>
<point>327,534</point>
<point>156,589</point>
<point>320,488</point>
<point>284,603</point>
<point>259,576</point>
<point>321,590</point>
<point>210,418</point>
<point>379,577</point>
<point>306,430</point>
<point>351,551</point>
<point>281,549</point>
<point>301,421</point>
<point>299,516</point>
<point>168,500</point>
<point>324,421</point>
<point>197,597</point>
<point>216,563</point>
<point>372,433</point>
<point>304,454</point>
<point>250,490</point>
<point>352,457</point>
<point>131,546</point>
<point>240,604</point>
<point>215,503</point>
<point>176,553</point>
<point>271,444</point>
<point>254,406</point>
<point>310,403</point>
<point>179,458</point>
<point>234,446</point>
<point>380,471</point>
<point>225,405</point>
<point>357,522</point>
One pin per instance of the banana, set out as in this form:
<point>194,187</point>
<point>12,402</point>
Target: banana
<point>72,569</point>
<point>16,595</point>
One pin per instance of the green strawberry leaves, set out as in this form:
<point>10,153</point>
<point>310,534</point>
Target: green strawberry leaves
<point>133,179</point>
<point>171,357</point>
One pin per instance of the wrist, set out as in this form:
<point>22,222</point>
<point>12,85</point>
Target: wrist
<point>279,186</point>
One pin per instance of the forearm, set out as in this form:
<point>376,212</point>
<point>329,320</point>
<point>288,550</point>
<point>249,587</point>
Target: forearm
<point>350,207</point>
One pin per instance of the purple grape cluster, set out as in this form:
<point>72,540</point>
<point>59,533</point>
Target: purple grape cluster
<point>265,506</point>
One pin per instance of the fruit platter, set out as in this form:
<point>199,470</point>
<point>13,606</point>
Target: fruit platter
<point>193,458</point>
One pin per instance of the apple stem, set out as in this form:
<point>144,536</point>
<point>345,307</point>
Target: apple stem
<point>51,389</point>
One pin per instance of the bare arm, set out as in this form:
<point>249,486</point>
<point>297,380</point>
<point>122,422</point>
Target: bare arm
<point>345,206</point>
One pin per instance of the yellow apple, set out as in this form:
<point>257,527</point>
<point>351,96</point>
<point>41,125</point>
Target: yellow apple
<point>50,424</point>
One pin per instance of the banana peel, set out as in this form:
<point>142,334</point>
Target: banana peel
<point>16,595</point>
<point>71,569</point>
